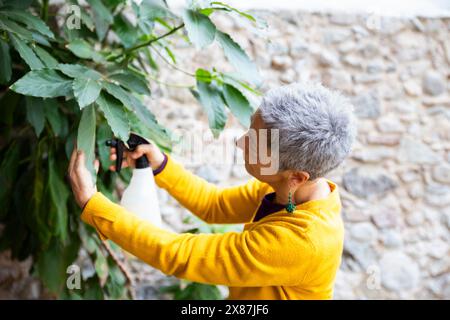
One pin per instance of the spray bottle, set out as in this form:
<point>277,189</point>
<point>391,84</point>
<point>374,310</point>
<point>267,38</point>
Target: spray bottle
<point>140,196</point>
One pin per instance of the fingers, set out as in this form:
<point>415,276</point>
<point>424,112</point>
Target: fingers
<point>73,158</point>
<point>96,165</point>
<point>80,161</point>
<point>141,150</point>
<point>125,162</point>
<point>124,165</point>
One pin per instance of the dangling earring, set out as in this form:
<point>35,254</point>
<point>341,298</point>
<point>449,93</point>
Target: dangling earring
<point>290,207</point>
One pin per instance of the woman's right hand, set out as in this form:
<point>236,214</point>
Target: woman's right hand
<point>151,151</point>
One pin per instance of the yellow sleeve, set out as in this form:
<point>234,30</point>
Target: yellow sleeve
<point>207,201</point>
<point>269,255</point>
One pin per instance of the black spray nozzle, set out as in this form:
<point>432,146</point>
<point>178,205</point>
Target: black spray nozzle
<point>133,141</point>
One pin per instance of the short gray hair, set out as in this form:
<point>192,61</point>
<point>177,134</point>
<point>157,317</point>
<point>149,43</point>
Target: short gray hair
<point>316,126</point>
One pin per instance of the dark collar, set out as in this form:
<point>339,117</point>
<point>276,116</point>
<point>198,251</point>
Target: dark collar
<point>267,206</point>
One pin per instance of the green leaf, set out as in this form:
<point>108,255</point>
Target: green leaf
<point>57,121</point>
<point>213,105</point>
<point>52,264</point>
<point>149,11</point>
<point>115,116</point>
<point>59,195</point>
<point>93,290</point>
<point>141,118</point>
<point>40,39</point>
<point>19,4</point>
<point>8,175</point>
<point>121,94</point>
<point>102,17</point>
<point>87,21</point>
<point>15,28</point>
<point>5,63</point>
<point>79,71</point>
<point>30,21</point>
<point>203,75</point>
<point>170,54</point>
<point>132,81</point>
<point>238,58</point>
<point>152,63</point>
<point>238,104</point>
<point>126,32</point>
<point>201,30</point>
<point>86,91</point>
<point>38,213</point>
<point>234,81</point>
<point>46,57</point>
<point>244,14</point>
<point>86,137</point>
<point>253,95</point>
<point>132,103</point>
<point>116,274</point>
<point>26,53</point>
<point>197,291</point>
<point>101,266</point>
<point>206,11</point>
<point>35,113</point>
<point>43,83</point>
<point>83,49</point>
<point>104,133</point>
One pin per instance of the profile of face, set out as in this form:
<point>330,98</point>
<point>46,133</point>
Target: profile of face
<point>261,157</point>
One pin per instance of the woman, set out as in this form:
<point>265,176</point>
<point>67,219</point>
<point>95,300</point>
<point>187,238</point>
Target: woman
<point>292,241</point>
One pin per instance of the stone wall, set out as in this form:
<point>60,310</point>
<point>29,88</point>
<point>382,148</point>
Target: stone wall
<point>395,187</point>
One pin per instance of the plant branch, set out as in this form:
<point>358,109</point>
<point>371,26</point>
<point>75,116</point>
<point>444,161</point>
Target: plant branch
<point>44,12</point>
<point>122,267</point>
<point>174,85</point>
<point>171,64</point>
<point>147,43</point>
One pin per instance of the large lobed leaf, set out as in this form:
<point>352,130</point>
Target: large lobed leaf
<point>238,104</point>
<point>201,30</point>
<point>211,100</point>
<point>238,58</point>
<point>86,91</point>
<point>86,137</point>
<point>29,20</point>
<point>26,53</point>
<point>44,83</point>
<point>115,116</point>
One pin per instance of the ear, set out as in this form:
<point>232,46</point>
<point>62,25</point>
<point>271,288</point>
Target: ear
<point>297,178</point>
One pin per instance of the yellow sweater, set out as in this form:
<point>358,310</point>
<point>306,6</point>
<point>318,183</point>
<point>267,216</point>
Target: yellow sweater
<point>281,256</point>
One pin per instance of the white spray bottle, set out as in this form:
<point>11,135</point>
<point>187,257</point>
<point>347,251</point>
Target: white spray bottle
<point>140,196</point>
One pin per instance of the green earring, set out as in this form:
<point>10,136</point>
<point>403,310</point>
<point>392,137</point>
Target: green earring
<point>290,207</point>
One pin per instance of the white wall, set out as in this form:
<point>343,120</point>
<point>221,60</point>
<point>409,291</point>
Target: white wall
<point>428,8</point>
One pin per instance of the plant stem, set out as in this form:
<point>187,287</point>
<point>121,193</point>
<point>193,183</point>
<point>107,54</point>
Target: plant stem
<point>122,268</point>
<point>155,39</point>
<point>149,42</point>
<point>173,85</point>
<point>171,64</point>
<point>44,12</point>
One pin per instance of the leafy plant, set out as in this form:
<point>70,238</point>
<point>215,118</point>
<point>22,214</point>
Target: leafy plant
<point>60,85</point>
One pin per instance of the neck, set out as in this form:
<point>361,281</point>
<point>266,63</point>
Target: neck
<point>308,191</point>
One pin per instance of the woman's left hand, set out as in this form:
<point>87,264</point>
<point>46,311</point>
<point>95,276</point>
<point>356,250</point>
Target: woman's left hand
<point>83,187</point>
